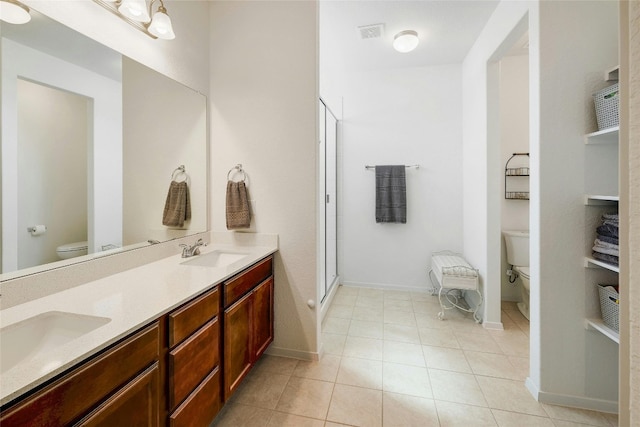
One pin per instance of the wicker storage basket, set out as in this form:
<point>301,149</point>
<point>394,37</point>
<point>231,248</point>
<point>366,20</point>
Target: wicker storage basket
<point>606,101</point>
<point>609,306</point>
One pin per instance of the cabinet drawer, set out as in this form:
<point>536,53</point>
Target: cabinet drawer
<point>192,360</point>
<point>201,406</point>
<point>244,282</point>
<point>136,404</point>
<point>74,394</point>
<point>190,317</point>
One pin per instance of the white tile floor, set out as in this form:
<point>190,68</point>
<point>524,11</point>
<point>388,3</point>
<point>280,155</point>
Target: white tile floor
<point>389,361</point>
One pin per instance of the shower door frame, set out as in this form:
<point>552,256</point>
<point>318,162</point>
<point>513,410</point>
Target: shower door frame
<point>329,274</point>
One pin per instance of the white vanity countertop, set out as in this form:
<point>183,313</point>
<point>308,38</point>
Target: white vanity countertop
<point>131,299</point>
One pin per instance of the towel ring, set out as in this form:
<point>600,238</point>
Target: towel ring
<point>178,171</point>
<point>236,169</point>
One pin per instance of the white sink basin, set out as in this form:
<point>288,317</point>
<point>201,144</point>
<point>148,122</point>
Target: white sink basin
<point>42,333</point>
<point>217,258</point>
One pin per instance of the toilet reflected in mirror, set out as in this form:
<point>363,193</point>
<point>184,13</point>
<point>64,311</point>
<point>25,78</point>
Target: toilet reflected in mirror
<point>72,250</point>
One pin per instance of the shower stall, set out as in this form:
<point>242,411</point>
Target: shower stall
<point>328,203</point>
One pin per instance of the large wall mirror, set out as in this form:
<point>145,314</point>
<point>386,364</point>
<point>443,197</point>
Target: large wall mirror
<point>91,141</point>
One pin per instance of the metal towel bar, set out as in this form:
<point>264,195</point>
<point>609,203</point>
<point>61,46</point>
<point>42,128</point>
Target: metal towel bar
<point>407,166</point>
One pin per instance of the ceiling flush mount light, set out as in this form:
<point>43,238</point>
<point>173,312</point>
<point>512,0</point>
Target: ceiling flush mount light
<point>154,24</point>
<point>14,12</point>
<point>405,41</point>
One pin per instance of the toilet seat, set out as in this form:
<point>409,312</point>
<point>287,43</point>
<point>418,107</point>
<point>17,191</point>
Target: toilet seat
<point>524,271</point>
<point>71,247</point>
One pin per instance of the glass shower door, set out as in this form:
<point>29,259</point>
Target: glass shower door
<point>329,193</point>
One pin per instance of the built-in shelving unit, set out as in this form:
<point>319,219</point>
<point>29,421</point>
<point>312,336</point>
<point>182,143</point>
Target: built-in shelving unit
<point>609,137</point>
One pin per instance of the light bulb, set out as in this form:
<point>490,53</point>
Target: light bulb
<point>135,10</point>
<point>161,25</point>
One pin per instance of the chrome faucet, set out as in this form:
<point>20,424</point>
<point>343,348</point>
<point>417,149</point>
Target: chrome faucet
<point>189,251</point>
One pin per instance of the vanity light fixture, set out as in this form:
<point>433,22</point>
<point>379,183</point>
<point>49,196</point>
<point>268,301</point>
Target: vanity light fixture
<point>154,24</point>
<point>405,41</point>
<point>14,12</point>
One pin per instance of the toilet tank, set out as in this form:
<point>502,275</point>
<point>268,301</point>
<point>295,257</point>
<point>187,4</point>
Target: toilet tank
<point>517,242</point>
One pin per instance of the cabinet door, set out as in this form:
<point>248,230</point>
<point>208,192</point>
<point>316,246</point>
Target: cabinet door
<point>237,343</point>
<point>262,317</point>
<point>135,405</point>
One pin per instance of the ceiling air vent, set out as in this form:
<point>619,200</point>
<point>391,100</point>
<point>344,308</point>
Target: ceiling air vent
<point>371,31</point>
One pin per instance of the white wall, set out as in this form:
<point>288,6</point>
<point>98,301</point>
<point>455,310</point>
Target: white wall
<point>264,110</point>
<point>401,116</point>
<point>514,138</point>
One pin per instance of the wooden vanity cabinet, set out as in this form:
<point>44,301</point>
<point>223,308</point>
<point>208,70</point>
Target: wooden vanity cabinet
<point>169,372</point>
<point>122,380</point>
<point>248,321</point>
<point>194,387</point>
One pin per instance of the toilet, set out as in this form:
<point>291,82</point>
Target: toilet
<point>72,250</point>
<point>517,243</point>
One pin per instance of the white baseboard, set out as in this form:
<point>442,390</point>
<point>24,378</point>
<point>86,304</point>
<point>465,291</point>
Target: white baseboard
<point>497,326</point>
<point>600,405</point>
<point>387,286</point>
<point>293,354</point>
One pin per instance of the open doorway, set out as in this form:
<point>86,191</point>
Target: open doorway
<point>509,174</point>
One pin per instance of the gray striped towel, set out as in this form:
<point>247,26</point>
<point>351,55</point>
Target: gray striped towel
<point>391,194</point>
<point>237,210</point>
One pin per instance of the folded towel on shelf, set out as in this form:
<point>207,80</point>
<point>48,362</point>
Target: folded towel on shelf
<point>237,210</point>
<point>610,259</point>
<point>606,250</point>
<point>391,194</point>
<point>610,219</point>
<point>604,244</point>
<point>177,207</point>
<point>608,230</point>
<point>607,239</point>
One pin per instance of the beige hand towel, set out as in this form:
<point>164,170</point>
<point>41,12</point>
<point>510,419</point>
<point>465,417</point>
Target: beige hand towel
<point>238,215</point>
<point>177,208</point>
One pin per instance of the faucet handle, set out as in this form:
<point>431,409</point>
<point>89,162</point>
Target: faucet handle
<point>185,250</point>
